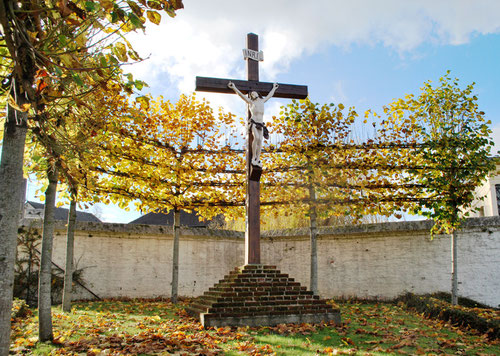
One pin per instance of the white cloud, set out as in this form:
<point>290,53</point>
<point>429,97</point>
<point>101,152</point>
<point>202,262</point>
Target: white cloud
<point>206,37</point>
<point>111,213</point>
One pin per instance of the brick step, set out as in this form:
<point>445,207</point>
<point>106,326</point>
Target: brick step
<point>206,299</point>
<point>250,311</point>
<point>256,267</point>
<point>268,305</point>
<point>243,287</point>
<point>261,296</point>
<point>273,301</point>
<point>269,272</point>
<point>261,274</point>
<point>194,312</point>
<point>218,294</point>
<point>262,281</point>
<point>201,305</point>
<point>230,292</point>
<point>252,280</point>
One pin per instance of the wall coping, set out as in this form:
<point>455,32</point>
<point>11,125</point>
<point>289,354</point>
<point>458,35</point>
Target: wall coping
<point>423,226</point>
<point>135,229</point>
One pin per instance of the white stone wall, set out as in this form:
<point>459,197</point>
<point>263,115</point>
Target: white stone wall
<point>376,261</point>
<point>135,260</point>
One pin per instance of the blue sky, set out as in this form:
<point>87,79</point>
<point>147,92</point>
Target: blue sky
<point>360,53</point>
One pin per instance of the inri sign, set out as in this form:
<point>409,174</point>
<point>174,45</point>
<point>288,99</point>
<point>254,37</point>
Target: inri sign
<point>256,56</point>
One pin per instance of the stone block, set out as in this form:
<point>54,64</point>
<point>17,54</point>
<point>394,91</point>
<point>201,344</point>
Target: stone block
<point>269,320</point>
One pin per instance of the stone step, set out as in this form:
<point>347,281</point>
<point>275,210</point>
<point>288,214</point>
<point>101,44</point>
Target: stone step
<point>267,319</point>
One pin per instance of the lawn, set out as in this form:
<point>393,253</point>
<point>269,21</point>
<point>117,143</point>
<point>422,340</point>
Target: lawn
<point>141,327</point>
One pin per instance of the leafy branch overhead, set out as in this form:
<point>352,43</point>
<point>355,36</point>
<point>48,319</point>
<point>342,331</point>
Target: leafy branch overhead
<point>52,45</point>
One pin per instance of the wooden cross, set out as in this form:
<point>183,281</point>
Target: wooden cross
<point>218,85</point>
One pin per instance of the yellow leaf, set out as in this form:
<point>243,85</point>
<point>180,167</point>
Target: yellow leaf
<point>109,29</point>
<point>33,35</point>
<point>121,51</point>
<point>154,17</point>
<point>66,59</point>
<point>24,107</point>
<point>143,101</point>
<point>81,40</point>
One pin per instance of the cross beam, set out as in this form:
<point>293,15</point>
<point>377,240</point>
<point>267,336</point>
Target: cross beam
<point>219,85</point>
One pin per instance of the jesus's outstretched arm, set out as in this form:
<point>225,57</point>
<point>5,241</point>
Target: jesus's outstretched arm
<point>231,85</point>
<point>271,93</point>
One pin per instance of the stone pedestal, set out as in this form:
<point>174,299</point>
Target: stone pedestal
<point>259,295</point>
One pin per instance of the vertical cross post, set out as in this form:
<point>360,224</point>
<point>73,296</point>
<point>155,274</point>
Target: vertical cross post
<point>252,230</point>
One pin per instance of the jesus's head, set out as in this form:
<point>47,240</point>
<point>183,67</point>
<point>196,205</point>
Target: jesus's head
<point>254,95</point>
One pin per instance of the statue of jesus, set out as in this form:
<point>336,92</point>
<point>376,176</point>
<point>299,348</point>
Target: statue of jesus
<point>256,121</point>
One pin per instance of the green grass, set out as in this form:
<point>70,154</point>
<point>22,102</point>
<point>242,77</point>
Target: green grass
<point>158,327</point>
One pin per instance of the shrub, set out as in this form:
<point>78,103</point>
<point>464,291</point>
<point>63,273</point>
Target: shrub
<point>19,309</point>
<point>484,320</point>
<point>465,302</point>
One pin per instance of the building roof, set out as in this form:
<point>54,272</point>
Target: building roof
<point>187,219</point>
<point>62,213</point>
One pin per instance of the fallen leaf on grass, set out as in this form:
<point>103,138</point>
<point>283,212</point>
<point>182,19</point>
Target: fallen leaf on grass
<point>367,332</point>
<point>446,344</point>
<point>347,341</point>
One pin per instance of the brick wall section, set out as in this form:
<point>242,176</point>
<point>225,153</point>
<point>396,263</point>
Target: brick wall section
<point>376,260</point>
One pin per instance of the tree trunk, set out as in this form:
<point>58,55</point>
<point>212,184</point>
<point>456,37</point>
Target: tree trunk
<point>45,276</point>
<point>175,256</point>
<point>11,188</point>
<point>454,271</point>
<point>313,234</point>
<point>70,242</point>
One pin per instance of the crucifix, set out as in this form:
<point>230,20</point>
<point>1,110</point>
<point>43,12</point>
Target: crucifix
<point>254,88</point>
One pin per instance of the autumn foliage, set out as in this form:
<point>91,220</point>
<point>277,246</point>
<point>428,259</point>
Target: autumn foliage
<point>168,156</point>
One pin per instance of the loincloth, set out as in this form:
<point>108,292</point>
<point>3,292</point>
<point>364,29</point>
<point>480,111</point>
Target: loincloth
<point>260,126</point>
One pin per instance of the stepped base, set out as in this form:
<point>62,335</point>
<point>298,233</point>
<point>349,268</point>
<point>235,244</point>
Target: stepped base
<point>260,295</point>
